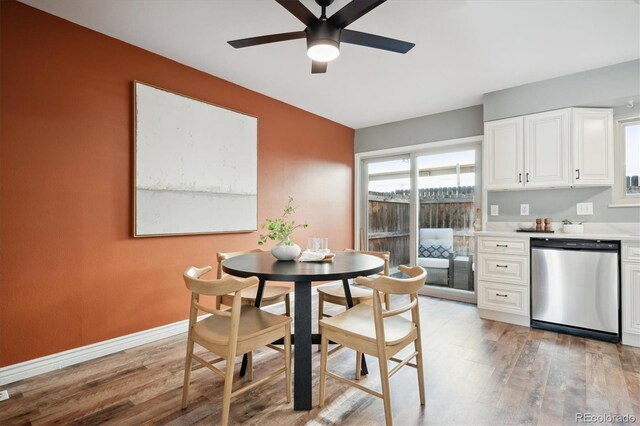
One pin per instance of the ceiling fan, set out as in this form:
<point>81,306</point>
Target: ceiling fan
<point>324,35</point>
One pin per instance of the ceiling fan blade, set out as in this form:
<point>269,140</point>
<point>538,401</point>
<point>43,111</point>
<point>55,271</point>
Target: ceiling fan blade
<point>272,38</point>
<point>299,10</point>
<point>352,11</point>
<point>375,41</point>
<point>318,67</point>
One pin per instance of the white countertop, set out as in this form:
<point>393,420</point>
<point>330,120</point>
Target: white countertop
<point>596,231</point>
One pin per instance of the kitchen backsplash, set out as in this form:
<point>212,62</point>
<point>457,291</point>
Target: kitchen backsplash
<point>559,204</point>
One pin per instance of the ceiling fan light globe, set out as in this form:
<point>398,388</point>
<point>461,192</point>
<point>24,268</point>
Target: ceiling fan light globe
<point>323,52</point>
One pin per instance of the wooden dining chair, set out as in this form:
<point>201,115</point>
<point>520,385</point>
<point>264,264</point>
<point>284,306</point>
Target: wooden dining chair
<point>378,332</point>
<point>335,293</point>
<point>231,333</point>
<point>271,295</point>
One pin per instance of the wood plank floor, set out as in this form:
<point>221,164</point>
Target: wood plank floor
<point>477,372</point>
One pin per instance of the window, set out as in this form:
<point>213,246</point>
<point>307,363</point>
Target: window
<point>626,190</point>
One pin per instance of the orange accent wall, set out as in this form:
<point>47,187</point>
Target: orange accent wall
<point>71,274</point>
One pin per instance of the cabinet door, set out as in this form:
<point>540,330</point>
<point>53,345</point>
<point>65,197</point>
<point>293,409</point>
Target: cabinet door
<point>546,149</point>
<point>631,298</point>
<point>592,146</point>
<point>503,144</point>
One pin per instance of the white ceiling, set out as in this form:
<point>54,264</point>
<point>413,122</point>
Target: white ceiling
<point>464,48</point>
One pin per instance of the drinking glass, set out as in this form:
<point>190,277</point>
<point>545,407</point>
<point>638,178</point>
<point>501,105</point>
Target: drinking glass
<point>323,245</point>
<point>313,244</point>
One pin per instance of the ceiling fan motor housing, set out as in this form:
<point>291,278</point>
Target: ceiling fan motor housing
<point>323,32</point>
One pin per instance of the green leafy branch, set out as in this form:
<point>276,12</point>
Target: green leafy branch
<point>281,228</point>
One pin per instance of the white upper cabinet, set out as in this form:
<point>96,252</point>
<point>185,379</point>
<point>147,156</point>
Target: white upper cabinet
<point>503,151</point>
<point>592,146</point>
<point>554,149</point>
<point>546,149</point>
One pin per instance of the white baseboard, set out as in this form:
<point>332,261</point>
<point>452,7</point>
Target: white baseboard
<point>630,339</point>
<point>34,367</point>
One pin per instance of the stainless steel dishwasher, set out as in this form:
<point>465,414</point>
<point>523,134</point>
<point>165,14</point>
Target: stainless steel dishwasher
<point>575,287</point>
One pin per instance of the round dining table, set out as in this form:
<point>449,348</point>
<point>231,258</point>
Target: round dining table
<point>345,265</point>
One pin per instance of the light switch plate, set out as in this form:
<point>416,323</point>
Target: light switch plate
<point>584,209</point>
<point>4,395</point>
<point>524,209</point>
<point>494,210</point>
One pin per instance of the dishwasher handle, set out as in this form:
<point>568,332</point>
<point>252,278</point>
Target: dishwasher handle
<point>570,244</point>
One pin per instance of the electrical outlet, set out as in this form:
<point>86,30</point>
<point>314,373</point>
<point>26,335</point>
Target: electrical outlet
<point>524,209</point>
<point>494,210</point>
<point>4,395</point>
<point>584,209</point>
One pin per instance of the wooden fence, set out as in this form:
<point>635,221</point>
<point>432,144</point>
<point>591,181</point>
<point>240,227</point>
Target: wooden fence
<point>439,208</point>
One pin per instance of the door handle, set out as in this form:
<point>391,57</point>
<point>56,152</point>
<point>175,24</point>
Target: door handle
<point>527,176</point>
<point>502,245</point>
<point>501,295</point>
<point>502,266</point>
<point>578,172</point>
<point>519,177</point>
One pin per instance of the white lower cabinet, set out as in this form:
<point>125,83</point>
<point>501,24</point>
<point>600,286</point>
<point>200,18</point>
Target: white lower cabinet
<point>503,279</point>
<point>630,296</point>
<point>503,286</point>
<point>503,298</point>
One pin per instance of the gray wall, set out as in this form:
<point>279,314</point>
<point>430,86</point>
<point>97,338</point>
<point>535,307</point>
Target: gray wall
<point>454,124</point>
<point>559,204</point>
<point>605,87</point>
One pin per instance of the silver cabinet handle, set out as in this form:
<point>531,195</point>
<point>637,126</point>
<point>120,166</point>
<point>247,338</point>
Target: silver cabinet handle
<point>502,266</point>
<point>502,245</point>
<point>527,176</point>
<point>578,172</point>
<point>501,295</point>
<point>519,177</point>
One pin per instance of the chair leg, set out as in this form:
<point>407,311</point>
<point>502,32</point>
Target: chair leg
<point>250,366</point>
<point>420,369</point>
<point>226,396</point>
<point>358,365</point>
<point>323,367</point>
<point>287,360</point>
<point>187,373</point>
<point>320,312</point>
<point>287,305</point>
<point>386,394</point>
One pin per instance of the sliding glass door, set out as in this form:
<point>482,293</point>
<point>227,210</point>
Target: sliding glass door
<point>421,207</point>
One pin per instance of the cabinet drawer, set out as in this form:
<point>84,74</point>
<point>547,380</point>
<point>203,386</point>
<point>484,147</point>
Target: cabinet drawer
<point>503,297</point>
<point>631,252</point>
<point>503,268</point>
<point>503,245</point>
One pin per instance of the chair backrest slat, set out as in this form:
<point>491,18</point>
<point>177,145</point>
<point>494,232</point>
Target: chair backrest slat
<point>398,311</point>
<point>212,310</point>
<point>228,284</point>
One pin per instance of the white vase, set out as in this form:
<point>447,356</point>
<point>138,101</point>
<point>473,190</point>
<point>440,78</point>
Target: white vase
<point>285,250</point>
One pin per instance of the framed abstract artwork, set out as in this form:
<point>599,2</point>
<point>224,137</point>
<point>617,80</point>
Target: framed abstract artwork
<point>195,166</point>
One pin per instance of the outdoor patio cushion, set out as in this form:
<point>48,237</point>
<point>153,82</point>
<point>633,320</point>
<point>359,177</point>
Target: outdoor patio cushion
<point>432,236</point>
<point>434,250</point>
<point>432,262</point>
